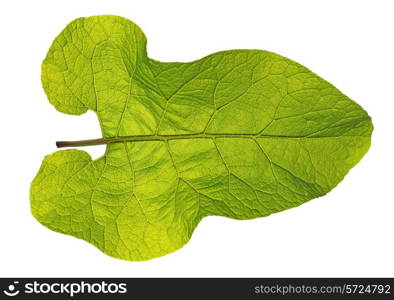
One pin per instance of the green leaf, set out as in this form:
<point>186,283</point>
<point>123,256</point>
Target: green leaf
<point>240,133</point>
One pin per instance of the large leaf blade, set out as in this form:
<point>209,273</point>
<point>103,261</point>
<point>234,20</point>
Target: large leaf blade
<point>239,133</point>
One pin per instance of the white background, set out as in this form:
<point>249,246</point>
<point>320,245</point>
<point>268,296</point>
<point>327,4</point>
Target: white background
<point>349,232</point>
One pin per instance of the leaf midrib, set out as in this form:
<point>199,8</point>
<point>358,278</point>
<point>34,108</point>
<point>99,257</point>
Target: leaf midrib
<point>142,138</point>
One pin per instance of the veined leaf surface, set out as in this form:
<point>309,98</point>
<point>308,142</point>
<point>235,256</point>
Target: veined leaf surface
<point>240,133</point>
